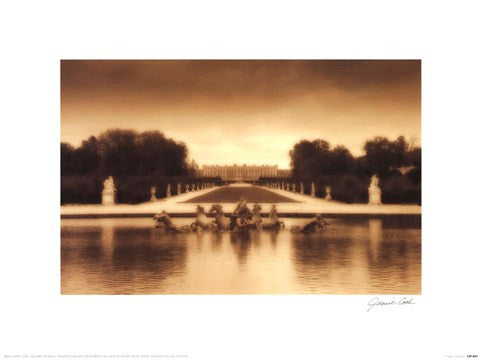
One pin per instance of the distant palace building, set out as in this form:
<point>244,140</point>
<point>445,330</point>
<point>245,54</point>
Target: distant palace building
<point>242,172</point>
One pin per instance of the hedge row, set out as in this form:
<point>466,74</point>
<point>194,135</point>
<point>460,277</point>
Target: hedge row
<point>87,189</point>
<point>396,189</point>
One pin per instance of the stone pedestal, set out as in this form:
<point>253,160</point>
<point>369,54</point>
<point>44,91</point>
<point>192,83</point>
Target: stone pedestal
<point>302,190</point>
<point>294,187</point>
<point>328,192</point>
<point>313,191</point>
<point>179,189</point>
<point>153,190</point>
<point>109,193</point>
<point>109,198</point>
<point>374,192</point>
<point>169,191</point>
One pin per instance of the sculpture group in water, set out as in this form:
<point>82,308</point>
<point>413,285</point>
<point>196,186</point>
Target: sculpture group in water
<point>242,219</point>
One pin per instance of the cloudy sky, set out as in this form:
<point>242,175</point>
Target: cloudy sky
<point>240,112</point>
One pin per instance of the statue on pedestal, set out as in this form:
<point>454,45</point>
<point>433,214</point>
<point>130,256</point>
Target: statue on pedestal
<point>294,187</point>
<point>169,191</point>
<point>109,192</point>
<point>328,191</point>
<point>374,192</point>
<point>313,192</point>
<point>179,188</point>
<point>153,190</point>
<point>302,189</point>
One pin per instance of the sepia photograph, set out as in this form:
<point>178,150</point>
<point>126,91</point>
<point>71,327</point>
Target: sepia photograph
<point>228,177</point>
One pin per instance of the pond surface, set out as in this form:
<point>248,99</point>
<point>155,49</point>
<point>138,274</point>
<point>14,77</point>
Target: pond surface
<point>352,256</point>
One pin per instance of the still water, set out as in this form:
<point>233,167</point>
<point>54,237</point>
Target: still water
<point>352,256</point>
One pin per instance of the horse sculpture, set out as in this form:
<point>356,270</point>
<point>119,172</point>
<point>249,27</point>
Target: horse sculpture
<point>221,223</point>
<point>165,223</point>
<point>256,217</point>
<point>313,225</point>
<point>272,222</point>
<point>202,222</point>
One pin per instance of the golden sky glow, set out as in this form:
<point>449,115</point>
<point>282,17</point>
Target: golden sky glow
<point>243,111</point>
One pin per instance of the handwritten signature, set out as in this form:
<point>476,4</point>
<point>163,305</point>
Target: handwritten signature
<point>376,301</point>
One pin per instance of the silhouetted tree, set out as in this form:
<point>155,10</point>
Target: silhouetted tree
<point>67,154</point>
<point>414,157</point>
<point>310,159</point>
<point>383,155</point>
<point>161,156</point>
<point>119,152</point>
<point>341,161</point>
<point>87,157</point>
<point>125,152</point>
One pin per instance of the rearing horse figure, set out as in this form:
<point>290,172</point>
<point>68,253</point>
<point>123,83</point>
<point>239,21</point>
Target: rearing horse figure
<point>272,222</point>
<point>201,222</point>
<point>256,217</point>
<point>221,223</point>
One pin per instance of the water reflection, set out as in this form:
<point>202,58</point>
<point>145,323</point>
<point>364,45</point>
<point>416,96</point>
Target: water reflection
<point>216,240</point>
<point>110,259</point>
<point>393,256</point>
<point>241,243</point>
<point>352,256</point>
<point>273,238</point>
<point>360,256</point>
<point>106,240</point>
<point>375,235</point>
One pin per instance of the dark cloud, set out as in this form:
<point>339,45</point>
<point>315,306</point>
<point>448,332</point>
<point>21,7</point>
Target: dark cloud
<point>272,80</point>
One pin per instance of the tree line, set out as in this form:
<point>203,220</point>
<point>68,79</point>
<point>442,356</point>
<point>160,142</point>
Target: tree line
<point>136,160</point>
<point>310,159</point>
<point>139,160</point>
<point>126,153</point>
<point>397,163</point>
